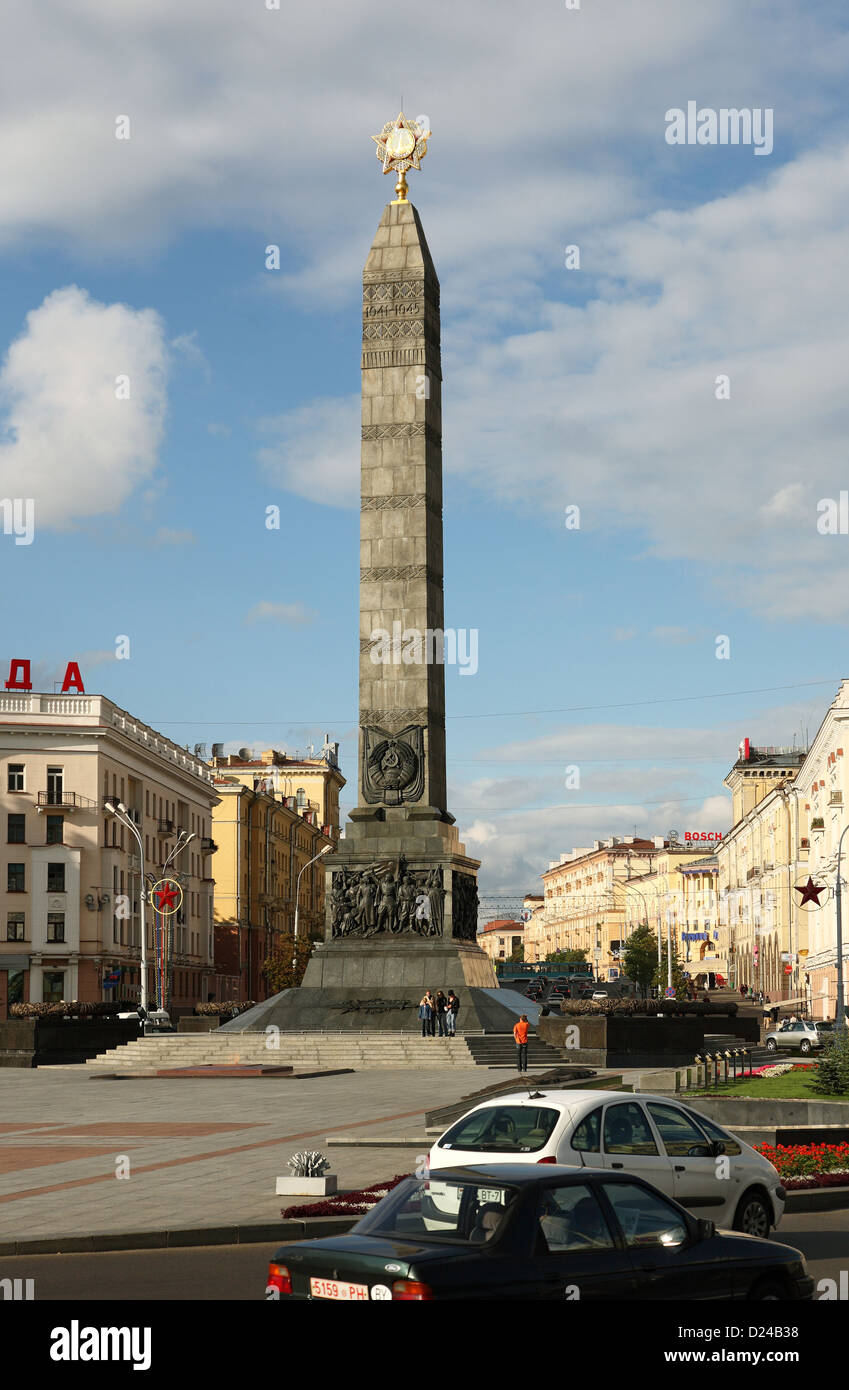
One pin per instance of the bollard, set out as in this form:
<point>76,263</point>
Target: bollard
<point>735,1055</point>
<point>698,1061</point>
<point>717,1059</point>
<point>725,1066</point>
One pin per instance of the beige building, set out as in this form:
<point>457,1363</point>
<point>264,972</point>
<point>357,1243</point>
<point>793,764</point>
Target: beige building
<point>70,888</point>
<point>276,812</point>
<point>678,901</point>
<point>500,939</point>
<point>759,860</point>
<point>818,805</point>
<point>584,901</point>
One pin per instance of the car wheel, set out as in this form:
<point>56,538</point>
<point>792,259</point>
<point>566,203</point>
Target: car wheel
<point>753,1216</point>
<point>769,1291</point>
<point>806,1046</point>
<point>771,1045</point>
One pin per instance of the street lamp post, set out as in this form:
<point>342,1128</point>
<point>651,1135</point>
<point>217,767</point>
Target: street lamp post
<point>840,1008</point>
<point>325,850</point>
<point>119,811</point>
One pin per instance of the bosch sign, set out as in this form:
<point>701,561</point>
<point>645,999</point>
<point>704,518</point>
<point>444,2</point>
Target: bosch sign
<point>693,835</point>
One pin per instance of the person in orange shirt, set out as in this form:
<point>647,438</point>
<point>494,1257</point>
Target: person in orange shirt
<point>520,1033</point>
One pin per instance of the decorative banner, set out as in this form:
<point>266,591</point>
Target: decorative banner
<point>810,894</point>
<point>167,896</point>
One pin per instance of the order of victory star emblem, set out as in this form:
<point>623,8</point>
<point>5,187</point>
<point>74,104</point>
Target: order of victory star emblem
<point>402,145</point>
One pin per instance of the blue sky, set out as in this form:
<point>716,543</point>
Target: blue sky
<point>591,387</point>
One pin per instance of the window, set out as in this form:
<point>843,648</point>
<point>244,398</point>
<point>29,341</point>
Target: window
<point>55,830</point>
<point>458,1212</point>
<point>15,926</point>
<point>626,1130</point>
<point>53,986</point>
<point>714,1132</point>
<point>16,878</point>
<point>55,786</point>
<point>570,1218</point>
<point>681,1137</point>
<point>55,926</point>
<point>16,987</point>
<point>16,777</point>
<point>55,878</point>
<point>503,1129</point>
<point>16,830</point>
<point>587,1135</point>
<point>646,1219</point>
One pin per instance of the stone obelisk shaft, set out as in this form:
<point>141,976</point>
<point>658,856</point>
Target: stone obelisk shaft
<point>402,679</point>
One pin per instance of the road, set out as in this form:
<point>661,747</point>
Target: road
<point>229,1272</point>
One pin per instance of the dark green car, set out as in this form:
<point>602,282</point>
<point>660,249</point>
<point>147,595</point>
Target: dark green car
<point>534,1231</point>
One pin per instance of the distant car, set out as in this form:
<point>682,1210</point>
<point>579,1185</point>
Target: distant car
<point>656,1138</point>
<point>802,1036</point>
<point>509,1231</point>
<point>600,994</point>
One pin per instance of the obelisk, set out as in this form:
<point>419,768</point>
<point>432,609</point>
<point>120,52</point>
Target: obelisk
<point>401,891</point>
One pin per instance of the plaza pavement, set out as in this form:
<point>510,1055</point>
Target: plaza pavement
<point>201,1154</point>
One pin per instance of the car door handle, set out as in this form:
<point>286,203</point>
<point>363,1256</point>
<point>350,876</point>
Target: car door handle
<point>617,1165</point>
<point>680,1168</point>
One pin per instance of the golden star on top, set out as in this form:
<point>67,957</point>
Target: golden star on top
<point>402,145</point>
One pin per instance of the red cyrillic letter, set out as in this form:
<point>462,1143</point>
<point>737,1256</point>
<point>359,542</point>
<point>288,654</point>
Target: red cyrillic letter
<point>19,675</point>
<point>73,678</point>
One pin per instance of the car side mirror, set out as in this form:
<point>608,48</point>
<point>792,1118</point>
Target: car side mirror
<point>716,1148</point>
<point>706,1229</point>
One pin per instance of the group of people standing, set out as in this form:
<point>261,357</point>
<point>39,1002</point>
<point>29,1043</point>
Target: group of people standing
<point>438,1013</point>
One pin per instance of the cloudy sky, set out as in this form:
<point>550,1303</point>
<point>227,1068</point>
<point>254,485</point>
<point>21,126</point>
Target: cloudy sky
<point>144,259</point>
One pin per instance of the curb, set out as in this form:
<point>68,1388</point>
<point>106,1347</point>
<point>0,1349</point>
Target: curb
<point>179,1238</point>
<point>811,1199</point>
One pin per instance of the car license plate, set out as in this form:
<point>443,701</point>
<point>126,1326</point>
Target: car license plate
<point>490,1194</point>
<point>332,1288</point>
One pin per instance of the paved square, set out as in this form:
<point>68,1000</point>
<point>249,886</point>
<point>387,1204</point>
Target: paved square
<point>194,1153</point>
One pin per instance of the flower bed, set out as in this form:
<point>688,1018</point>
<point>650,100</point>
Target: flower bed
<point>809,1165</point>
<point>347,1203</point>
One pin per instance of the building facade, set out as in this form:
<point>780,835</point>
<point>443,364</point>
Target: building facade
<point>501,939</point>
<point>762,932</point>
<point>70,925</point>
<point>677,899</point>
<point>275,814</point>
<point>584,901</point>
<point>819,818</point>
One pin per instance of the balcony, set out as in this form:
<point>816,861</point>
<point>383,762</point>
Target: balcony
<point>64,801</point>
<point>165,827</point>
<point>835,799</point>
<point>818,824</point>
<point>207,846</point>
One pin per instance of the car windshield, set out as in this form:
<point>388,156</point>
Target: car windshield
<point>513,1129</point>
<point>459,1213</point>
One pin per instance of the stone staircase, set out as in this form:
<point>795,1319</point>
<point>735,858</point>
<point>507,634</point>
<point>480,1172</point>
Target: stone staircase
<point>303,1051</point>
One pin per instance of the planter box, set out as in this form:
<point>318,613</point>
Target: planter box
<point>623,1040</point>
<point>30,1042</point>
<point>306,1187</point>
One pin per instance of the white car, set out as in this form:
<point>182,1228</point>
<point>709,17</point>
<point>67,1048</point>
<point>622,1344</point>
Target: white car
<point>654,1137</point>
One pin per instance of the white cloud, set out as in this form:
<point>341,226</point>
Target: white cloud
<point>315,453</point>
<point>292,614</point>
<point>70,442</point>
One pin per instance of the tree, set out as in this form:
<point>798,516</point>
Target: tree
<point>278,969</point>
<point>517,955</point>
<point>569,957</point>
<point>679,979</point>
<point>639,958</point>
<point>831,1069</point>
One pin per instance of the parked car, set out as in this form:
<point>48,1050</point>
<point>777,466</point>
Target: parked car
<point>518,1231</point>
<point>647,1136</point>
<point>802,1036</point>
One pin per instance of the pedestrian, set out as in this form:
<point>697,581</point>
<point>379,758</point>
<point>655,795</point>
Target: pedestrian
<point>440,1004</point>
<point>426,1014</point>
<point>742,991</point>
<point>520,1033</point>
<point>451,1012</point>
<point>429,995</point>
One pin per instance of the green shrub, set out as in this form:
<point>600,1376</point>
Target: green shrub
<point>831,1069</point>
